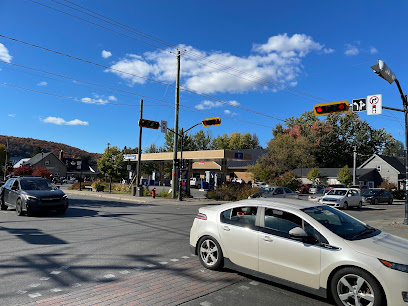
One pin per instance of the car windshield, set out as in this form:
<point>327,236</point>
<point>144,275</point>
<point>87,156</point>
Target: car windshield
<point>37,184</point>
<point>337,192</point>
<point>370,192</point>
<point>340,223</point>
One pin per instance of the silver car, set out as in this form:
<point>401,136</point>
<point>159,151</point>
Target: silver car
<point>342,198</point>
<point>315,248</point>
<point>275,192</point>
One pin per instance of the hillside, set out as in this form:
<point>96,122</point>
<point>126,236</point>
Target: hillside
<point>24,147</point>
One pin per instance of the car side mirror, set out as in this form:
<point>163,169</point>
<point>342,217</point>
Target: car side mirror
<point>298,233</point>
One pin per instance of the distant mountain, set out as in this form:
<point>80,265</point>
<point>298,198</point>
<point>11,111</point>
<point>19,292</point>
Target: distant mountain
<point>25,147</point>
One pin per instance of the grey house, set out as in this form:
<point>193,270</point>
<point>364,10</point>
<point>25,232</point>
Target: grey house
<point>50,161</point>
<point>388,167</point>
<point>368,177</point>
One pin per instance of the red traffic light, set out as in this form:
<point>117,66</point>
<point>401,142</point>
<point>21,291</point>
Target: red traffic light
<point>149,124</point>
<point>332,107</point>
<point>211,121</point>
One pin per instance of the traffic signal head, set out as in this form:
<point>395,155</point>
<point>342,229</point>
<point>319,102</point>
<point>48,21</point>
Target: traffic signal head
<point>332,107</point>
<point>211,121</point>
<point>149,124</point>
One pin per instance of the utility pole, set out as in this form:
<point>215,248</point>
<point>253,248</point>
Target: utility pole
<point>180,188</point>
<point>354,164</point>
<point>176,122</point>
<point>5,160</point>
<point>139,188</point>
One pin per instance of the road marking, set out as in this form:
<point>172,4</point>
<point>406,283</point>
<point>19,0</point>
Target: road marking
<point>56,290</point>
<point>76,285</point>
<point>151,266</point>
<point>185,257</point>
<point>21,291</point>
<point>254,283</point>
<point>124,272</point>
<point>206,304</point>
<point>174,260</point>
<point>109,276</point>
<point>55,272</point>
<point>34,285</point>
<point>243,287</point>
<point>34,295</point>
<point>138,268</point>
<point>44,278</point>
<point>65,267</point>
<point>163,262</point>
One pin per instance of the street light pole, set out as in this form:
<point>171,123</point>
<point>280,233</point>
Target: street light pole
<point>385,72</point>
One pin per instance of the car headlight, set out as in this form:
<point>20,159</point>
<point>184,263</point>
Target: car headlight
<point>30,197</point>
<point>395,266</point>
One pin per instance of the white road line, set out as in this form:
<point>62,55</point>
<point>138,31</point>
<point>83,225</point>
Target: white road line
<point>205,303</point>
<point>34,295</point>
<point>44,278</point>
<point>151,266</point>
<point>65,267</point>
<point>254,283</point>
<point>55,272</point>
<point>124,272</point>
<point>174,260</point>
<point>185,257</point>
<point>109,276</point>
<point>163,262</point>
<point>34,285</point>
<point>56,290</point>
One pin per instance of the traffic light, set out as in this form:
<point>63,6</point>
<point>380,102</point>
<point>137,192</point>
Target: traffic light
<point>212,121</point>
<point>177,163</point>
<point>149,124</point>
<point>332,107</point>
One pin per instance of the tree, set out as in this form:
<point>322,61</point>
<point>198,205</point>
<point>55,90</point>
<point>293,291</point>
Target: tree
<point>344,176</point>
<point>36,151</point>
<point>2,158</point>
<point>287,179</point>
<point>42,172</point>
<point>236,141</point>
<point>111,163</point>
<point>284,153</point>
<point>23,171</point>
<point>313,175</point>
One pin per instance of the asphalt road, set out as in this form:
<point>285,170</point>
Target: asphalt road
<point>105,240</point>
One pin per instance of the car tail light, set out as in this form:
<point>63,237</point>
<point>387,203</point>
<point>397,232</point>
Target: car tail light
<point>201,216</point>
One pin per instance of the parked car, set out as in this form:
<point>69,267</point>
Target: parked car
<point>195,182</point>
<point>315,188</point>
<point>274,191</point>
<point>315,248</point>
<point>361,189</point>
<point>336,186</point>
<point>317,195</point>
<point>238,180</point>
<point>260,184</point>
<point>29,194</point>
<point>304,188</point>
<point>377,195</point>
<point>342,198</point>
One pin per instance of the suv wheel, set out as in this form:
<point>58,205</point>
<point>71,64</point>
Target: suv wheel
<point>2,204</point>
<point>345,205</point>
<point>19,208</point>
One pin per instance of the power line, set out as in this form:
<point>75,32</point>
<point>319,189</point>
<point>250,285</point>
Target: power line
<point>127,73</point>
<point>130,29</point>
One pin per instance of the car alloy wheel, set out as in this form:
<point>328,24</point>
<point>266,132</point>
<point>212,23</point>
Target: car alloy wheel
<point>210,253</point>
<point>345,205</point>
<point>354,286</point>
<point>360,205</point>
<point>19,208</point>
<point>390,201</point>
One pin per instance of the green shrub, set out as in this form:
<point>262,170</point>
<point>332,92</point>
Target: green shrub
<point>75,186</point>
<point>147,193</point>
<point>164,194</point>
<point>398,194</point>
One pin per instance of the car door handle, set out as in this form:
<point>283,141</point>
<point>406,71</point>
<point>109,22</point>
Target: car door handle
<point>225,228</point>
<point>267,239</point>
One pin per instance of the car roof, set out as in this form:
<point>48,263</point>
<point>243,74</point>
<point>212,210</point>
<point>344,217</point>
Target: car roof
<point>284,203</point>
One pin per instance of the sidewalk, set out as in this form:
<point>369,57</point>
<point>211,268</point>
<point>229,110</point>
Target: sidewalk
<point>144,199</point>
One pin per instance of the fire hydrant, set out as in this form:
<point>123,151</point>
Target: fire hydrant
<point>154,192</point>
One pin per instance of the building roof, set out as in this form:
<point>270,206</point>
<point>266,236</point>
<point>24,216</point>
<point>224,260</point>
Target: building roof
<point>21,162</point>
<point>395,162</point>
<point>330,172</point>
<point>37,158</point>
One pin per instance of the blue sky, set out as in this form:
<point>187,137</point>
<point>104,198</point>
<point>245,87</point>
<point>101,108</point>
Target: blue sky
<point>253,63</point>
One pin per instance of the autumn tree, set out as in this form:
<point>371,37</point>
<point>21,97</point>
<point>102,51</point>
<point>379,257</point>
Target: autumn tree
<point>23,171</point>
<point>42,172</point>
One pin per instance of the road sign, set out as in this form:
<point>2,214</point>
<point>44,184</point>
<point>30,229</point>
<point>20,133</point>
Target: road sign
<point>163,126</point>
<point>130,156</point>
<point>359,105</point>
<point>183,174</point>
<point>374,105</point>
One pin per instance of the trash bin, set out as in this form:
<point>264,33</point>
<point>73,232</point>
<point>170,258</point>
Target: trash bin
<point>140,191</point>
<point>134,189</point>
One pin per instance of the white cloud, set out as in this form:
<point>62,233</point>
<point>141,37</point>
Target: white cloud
<point>233,103</point>
<point>279,61</point>
<point>43,83</point>
<point>351,50</point>
<point>106,54</point>
<point>112,98</point>
<point>4,54</point>
<point>60,121</point>
<point>228,112</point>
<point>94,101</point>
<point>208,105</point>
<point>12,115</point>
<point>373,50</point>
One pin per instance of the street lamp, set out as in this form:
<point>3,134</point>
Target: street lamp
<point>385,72</point>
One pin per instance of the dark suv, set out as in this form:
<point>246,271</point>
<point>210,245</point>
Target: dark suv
<point>30,194</point>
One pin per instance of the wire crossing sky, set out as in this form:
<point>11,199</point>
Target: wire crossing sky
<point>75,71</point>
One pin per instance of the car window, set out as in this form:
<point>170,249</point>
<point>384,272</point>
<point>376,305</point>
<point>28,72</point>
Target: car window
<point>337,192</point>
<point>287,190</point>
<point>37,184</point>
<point>15,185</point>
<point>244,216</point>
<point>281,222</point>
<point>387,193</point>
<point>9,182</point>
<point>354,193</point>
<point>340,223</point>
<point>279,191</point>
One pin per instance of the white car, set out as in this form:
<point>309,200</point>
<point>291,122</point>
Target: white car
<point>315,248</point>
<point>260,184</point>
<point>342,198</point>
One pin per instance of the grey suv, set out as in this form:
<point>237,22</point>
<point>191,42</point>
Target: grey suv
<point>30,194</point>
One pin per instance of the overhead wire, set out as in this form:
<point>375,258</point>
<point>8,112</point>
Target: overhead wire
<point>141,77</point>
<point>120,25</point>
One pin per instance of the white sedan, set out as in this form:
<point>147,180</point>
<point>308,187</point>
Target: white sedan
<point>342,198</point>
<point>315,248</point>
